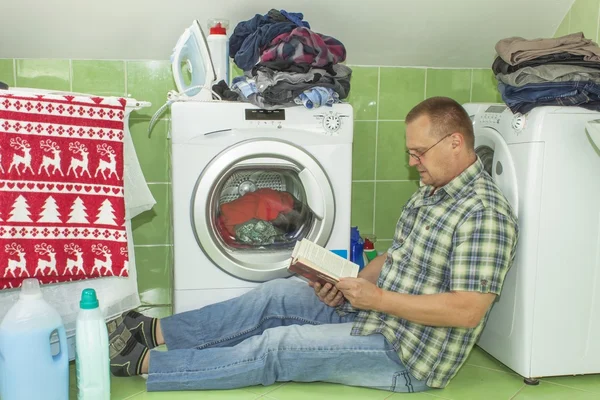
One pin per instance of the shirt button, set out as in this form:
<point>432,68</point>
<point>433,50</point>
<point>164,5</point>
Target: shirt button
<point>401,240</point>
<point>427,228</point>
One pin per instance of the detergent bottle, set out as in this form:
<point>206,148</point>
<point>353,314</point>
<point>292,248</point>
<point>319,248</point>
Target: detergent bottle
<point>92,359</point>
<point>29,368</point>
<point>218,46</point>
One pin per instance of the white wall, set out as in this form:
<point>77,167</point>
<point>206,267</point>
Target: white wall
<point>449,33</point>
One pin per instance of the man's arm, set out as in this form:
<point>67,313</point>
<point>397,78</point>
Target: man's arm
<point>372,270</point>
<point>453,309</point>
<point>478,265</point>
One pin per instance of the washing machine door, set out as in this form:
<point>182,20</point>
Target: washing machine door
<point>254,200</point>
<point>493,151</point>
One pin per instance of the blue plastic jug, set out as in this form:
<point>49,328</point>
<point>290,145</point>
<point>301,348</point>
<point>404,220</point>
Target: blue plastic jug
<point>28,369</point>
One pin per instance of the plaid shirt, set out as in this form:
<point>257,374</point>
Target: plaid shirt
<point>461,238</point>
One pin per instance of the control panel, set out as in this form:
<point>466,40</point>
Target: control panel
<point>216,119</point>
<point>328,123</point>
<point>492,115</point>
<point>331,122</point>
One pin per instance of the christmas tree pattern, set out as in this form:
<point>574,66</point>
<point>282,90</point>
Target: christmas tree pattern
<point>20,211</point>
<point>50,211</point>
<point>78,214</point>
<point>106,214</point>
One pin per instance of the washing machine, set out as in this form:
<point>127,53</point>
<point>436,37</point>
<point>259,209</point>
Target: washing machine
<point>247,183</point>
<point>546,322</point>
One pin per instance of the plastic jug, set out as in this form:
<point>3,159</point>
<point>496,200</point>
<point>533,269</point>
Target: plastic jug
<point>92,359</point>
<point>28,367</point>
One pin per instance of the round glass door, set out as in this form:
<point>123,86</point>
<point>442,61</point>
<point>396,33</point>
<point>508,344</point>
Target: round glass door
<point>254,201</point>
<point>493,151</point>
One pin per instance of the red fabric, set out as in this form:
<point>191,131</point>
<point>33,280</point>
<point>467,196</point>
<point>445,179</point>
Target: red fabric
<point>264,204</point>
<point>62,209</point>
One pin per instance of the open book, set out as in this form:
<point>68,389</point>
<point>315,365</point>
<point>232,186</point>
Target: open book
<point>317,264</point>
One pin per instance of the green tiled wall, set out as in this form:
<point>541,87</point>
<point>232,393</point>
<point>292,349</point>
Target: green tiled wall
<point>382,181</point>
<point>582,17</point>
<point>382,96</point>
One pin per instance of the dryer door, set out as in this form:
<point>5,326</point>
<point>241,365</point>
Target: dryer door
<point>254,200</point>
<point>493,152</point>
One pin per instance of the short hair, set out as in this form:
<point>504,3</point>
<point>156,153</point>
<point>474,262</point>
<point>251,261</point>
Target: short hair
<point>446,116</point>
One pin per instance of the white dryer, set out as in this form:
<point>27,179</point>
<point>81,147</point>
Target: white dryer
<point>546,322</point>
<point>247,184</point>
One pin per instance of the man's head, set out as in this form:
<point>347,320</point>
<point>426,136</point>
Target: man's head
<point>439,140</point>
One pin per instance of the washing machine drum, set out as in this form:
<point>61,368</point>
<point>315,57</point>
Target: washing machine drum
<point>262,210</point>
<point>254,201</point>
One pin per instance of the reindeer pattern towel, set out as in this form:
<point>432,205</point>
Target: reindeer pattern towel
<point>62,211</point>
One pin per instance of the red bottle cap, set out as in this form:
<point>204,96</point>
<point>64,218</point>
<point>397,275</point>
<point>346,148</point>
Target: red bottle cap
<point>368,245</point>
<point>218,30</point>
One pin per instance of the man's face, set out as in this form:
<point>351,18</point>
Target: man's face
<point>429,153</point>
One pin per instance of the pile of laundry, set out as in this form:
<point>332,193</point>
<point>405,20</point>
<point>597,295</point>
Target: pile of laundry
<point>285,63</point>
<point>563,71</point>
<point>263,217</point>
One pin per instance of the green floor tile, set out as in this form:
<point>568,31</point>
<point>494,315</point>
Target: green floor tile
<point>263,390</point>
<point>429,395</point>
<point>329,391</point>
<point>480,358</point>
<point>236,394</point>
<point>548,391</point>
<point>590,383</point>
<point>123,388</point>
<point>474,383</point>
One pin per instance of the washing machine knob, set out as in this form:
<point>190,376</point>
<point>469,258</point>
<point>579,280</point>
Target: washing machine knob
<point>332,122</point>
<point>518,123</point>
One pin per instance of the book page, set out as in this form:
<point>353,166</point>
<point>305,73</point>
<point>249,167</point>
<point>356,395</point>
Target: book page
<point>327,260</point>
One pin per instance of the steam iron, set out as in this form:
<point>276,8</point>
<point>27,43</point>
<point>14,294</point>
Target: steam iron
<point>191,64</point>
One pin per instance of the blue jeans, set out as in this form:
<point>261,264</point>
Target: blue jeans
<point>277,332</point>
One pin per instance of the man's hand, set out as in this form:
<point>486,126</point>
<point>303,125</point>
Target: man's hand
<point>328,294</point>
<point>360,293</point>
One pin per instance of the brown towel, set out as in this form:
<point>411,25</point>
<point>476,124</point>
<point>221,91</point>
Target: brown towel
<point>515,50</point>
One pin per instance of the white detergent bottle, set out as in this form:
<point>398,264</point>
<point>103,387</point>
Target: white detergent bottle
<point>218,46</point>
<point>91,344</point>
<point>29,369</point>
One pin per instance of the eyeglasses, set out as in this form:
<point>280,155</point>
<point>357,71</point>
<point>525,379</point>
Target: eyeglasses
<point>418,156</point>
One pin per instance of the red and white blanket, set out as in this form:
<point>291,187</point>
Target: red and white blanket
<point>62,209</point>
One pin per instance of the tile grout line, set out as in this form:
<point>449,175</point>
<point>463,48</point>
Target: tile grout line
<point>376,149</point>
<point>70,75</point>
<point>566,386</point>
<point>471,88</point>
<point>518,391</point>
<point>134,395</point>
<point>425,86</point>
<point>125,79</point>
<point>569,23</point>
<point>15,71</point>
<point>598,23</point>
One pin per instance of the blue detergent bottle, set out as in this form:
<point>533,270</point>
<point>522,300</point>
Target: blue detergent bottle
<point>28,367</point>
<point>356,248</point>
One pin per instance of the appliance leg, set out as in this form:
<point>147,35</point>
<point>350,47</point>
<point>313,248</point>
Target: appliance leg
<point>531,381</point>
